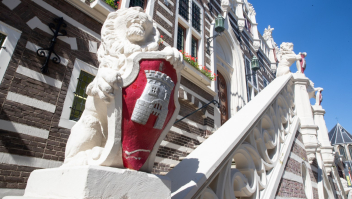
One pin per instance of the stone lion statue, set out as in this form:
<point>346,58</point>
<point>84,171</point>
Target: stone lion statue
<point>124,32</point>
<point>286,58</point>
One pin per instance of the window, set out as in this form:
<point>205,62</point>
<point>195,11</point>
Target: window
<point>2,39</point>
<point>248,70</point>
<point>251,78</point>
<point>9,37</point>
<point>140,3</point>
<point>189,32</point>
<point>196,17</point>
<point>76,89</point>
<point>194,50</point>
<point>181,35</point>
<point>254,75</point>
<point>247,24</point>
<point>265,82</point>
<point>183,9</point>
<point>342,152</point>
<point>80,95</point>
<point>249,93</point>
<point>350,150</point>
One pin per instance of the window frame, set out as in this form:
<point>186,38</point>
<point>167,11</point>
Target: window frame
<point>148,6</point>
<point>79,65</point>
<point>253,89</point>
<point>9,44</point>
<point>184,36</point>
<point>265,80</point>
<point>344,152</point>
<point>77,95</point>
<point>191,32</point>
<point>145,2</point>
<point>200,17</point>
<point>197,49</point>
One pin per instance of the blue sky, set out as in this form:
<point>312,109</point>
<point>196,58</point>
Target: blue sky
<point>323,29</point>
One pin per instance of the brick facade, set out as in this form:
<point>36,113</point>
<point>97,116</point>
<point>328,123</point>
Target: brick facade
<point>293,187</point>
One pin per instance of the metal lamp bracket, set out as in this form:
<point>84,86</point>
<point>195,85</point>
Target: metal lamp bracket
<point>208,42</point>
<point>47,52</point>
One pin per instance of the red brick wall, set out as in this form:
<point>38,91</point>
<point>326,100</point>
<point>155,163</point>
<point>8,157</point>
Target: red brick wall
<point>290,188</point>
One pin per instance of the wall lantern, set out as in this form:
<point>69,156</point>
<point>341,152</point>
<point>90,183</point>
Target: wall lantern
<point>255,64</point>
<point>219,28</point>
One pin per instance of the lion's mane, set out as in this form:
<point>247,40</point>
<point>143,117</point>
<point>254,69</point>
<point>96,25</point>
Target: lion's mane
<point>285,48</point>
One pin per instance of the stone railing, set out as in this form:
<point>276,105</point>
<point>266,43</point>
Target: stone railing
<point>244,154</point>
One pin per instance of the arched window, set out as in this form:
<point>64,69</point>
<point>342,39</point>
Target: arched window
<point>342,151</point>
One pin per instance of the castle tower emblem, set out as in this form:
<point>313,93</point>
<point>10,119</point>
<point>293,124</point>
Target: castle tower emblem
<point>154,99</point>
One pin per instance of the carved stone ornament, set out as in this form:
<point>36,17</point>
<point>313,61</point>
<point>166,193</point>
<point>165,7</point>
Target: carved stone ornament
<point>132,102</point>
<point>268,33</point>
<point>154,100</point>
<point>286,58</point>
<point>301,64</point>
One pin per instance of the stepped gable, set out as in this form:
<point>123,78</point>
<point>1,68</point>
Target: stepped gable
<point>339,135</point>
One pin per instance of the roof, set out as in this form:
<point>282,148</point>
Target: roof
<point>339,135</point>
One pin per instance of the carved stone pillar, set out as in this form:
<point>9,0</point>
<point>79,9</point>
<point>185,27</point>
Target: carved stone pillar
<point>326,148</point>
<point>304,112</point>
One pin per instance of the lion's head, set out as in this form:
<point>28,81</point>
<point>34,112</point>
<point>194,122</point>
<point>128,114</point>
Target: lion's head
<point>124,32</point>
<point>285,48</point>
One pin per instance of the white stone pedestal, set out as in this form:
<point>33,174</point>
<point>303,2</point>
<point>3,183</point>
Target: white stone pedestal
<point>85,182</point>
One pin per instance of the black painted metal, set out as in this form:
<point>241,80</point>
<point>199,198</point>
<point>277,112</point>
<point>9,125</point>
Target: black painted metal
<point>205,105</point>
<point>47,52</point>
<point>208,43</point>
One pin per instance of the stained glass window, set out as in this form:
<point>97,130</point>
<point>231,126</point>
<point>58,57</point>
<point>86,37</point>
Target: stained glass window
<point>2,39</point>
<point>80,95</point>
<point>195,17</point>
<point>181,33</point>
<point>194,49</point>
<point>140,3</point>
<point>183,9</point>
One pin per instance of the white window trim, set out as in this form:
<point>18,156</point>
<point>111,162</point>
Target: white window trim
<point>250,72</point>
<point>12,37</point>
<point>66,110</point>
<point>190,31</point>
